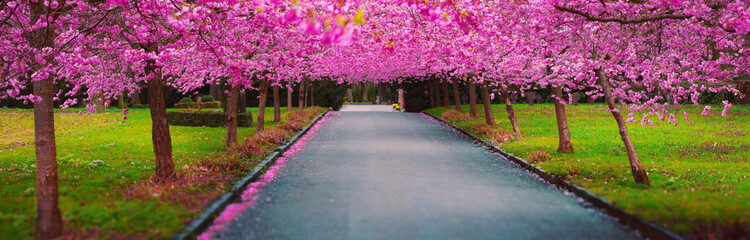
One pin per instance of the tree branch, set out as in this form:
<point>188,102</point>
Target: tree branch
<point>644,19</point>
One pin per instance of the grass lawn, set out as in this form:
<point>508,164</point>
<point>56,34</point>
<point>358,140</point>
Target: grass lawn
<point>105,164</point>
<point>698,169</point>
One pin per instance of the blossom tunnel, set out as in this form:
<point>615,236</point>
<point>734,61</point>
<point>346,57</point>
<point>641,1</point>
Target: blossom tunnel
<point>649,57</point>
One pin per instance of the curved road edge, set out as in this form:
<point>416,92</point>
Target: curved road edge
<point>647,229</point>
<point>199,224</point>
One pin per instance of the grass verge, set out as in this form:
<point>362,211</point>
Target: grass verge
<point>105,164</point>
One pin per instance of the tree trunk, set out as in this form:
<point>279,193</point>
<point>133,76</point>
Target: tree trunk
<point>160,126</point>
<point>364,93</point>
<point>121,101</point>
<point>488,117</point>
<point>639,173</point>
<point>446,95</point>
<point>49,221</point>
<point>262,105</point>
<point>276,105</point>
<point>511,112</point>
<point>472,99</point>
<point>430,93</point>
<point>307,93</point>
<point>242,102</point>
<point>564,145</point>
<point>214,91</point>
<point>436,86</point>
<point>301,95</point>
<point>456,95</point>
<point>382,92</point>
<point>135,98</point>
<point>289,99</point>
<point>232,105</point>
<point>312,93</point>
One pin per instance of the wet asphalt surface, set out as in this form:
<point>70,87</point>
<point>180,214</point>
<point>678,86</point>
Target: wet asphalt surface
<point>386,175</point>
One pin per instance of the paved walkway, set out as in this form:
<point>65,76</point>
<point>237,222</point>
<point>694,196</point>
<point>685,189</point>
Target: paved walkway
<point>387,175</point>
<point>366,108</point>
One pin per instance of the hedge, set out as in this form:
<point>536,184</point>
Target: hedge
<point>206,118</point>
<point>198,105</point>
<point>141,106</point>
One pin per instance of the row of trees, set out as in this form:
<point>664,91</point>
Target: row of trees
<point>631,53</point>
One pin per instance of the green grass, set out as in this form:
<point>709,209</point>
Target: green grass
<point>102,158</point>
<point>698,169</point>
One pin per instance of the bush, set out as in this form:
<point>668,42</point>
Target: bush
<point>206,118</point>
<point>186,100</point>
<point>141,106</point>
<point>539,156</point>
<point>207,98</point>
<point>329,94</point>
<point>198,105</point>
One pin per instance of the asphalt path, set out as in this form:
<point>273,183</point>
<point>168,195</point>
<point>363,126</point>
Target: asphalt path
<point>389,175</point>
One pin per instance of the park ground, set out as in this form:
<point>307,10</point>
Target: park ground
<point>698,169</point>
<point>105,164</point>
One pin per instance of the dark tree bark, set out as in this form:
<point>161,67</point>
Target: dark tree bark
<point>446,95</point>
<point>382,92</point>
<point>307,93</point>
<point>49,221</point>
<point>436,86</point>
<point>349,95</point>
<point>232,105</point>
<point>488,117</point>
<point>262,105</point>
<point>511,112</point>
<point>135,98</point>
<point>242,102</point>
<point>312,93</point>
<point>430,92</point>
<point>456,95</point>
<point>639,173</point>
<point>214,91</point>
<point>289,99</point>
<point>563,132</point>
<point>121,101</point>
<point>160,126</point>
<point>472,99</point>
<point>301,95</point>
<point>276,105</point>
<point>364,93</point>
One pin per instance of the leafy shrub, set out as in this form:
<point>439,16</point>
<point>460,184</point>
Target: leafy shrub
<point>454,116</point>
<point>186,100</point>
<point>206,118</point>
<point>141,106</point>
<point>198,105</point>
<point>207,98</point>
<point>539,156</point>
<point>328,94</point>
